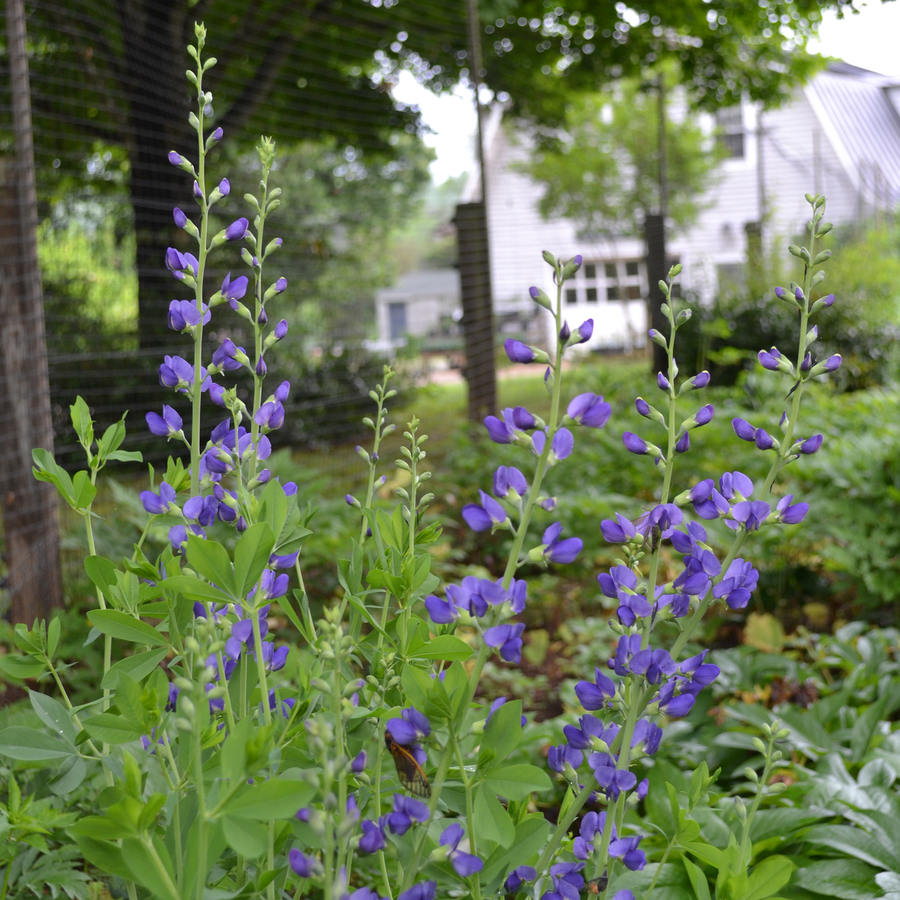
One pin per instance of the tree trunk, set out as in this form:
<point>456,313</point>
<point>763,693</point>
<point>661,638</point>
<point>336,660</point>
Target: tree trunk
<point>29,510</point>
<point>478,314</point>
<point>155,61</point>
<point>655,239</point>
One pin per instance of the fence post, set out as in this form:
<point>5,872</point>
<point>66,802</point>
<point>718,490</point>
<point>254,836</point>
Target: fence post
<point>478,313</point>
<point>28,507</point>
<point>655,238</point>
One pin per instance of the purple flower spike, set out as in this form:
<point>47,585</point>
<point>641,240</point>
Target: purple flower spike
<point>633,443</point>
<point>166,425</point>
<point>237,230</point>
<point>518,352</point>
<point>811,445</point>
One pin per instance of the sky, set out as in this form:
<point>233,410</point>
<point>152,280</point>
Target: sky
<point>868,40</point>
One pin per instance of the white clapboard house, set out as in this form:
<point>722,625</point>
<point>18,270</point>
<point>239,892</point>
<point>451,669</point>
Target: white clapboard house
<point>839,136</point>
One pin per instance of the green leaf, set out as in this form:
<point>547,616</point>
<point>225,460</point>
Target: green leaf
<point>19,742</point>
<point>703,850</point>
<point>53,633</point>
<point>248,838</point>
<point>211,560</point>
<point>54,715</point>
<point>770,823</point>
<point>518,782</point>
<point>768,878</point>
<point>124,627</point>
<point>138,858</point>
<point>112,729</point>
<point>107,857</point>
<point>71,773</point>
<point>530,836</point>
<point>251,556</point>
<point>853,842</point>
<point>273,504</point>
<point>126,456</point>
<point>112,438</point>
<point>138,667</point>
<point>46,469</point>
<point>847,879</point>
<point>277,798</point>
<point>864,729</point>
<point>698,879</point>
<point>193,588</point>
<point>83,491</point>
<point>80,414</point>
<point>102,572</point>
<point>492,821</point>
<point>21,667</point>
<point>503,732</point>
<point>444,646</point>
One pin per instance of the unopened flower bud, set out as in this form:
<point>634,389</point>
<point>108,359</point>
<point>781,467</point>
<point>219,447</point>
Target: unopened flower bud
<point>540,298</point>
<point>656,337</point>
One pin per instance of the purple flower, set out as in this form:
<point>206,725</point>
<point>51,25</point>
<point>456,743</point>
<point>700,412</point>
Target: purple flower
<point>567,883</point>
<point>560,551</point>
<point>202,510</point>
<point>178,373</point>
<point>791,515</point>
<point>184,316</point>
<point>811,445</point>
<point>508,428</point>
<point>303,865</point>
<point>508,637</point>
<point>181,265</point>
<point>589,410</point>
<point>407,812</point>
<point>281,330</point>
<point>739,582</point>
<point>271,586</point>
<point>411,727</point>
<point>237,230</point>
<point>490,514</point>
<point>564,755</point>
<point>509,479</point>
<point>159,504</point>
<point>424,890</point>
<point>699,671</point>
<point>358,764</point>
<point>273,659</point>
<point>500,701</point>
<point>619,532</point>
<point>832,363</point>
<point>584,331</point>
<point>518,877</point>
<point>167,425</point>
<point>176,158</point>
<point>743,429</point>
<point>373,838</point>
<point>441,611</point>
<point>700,380</point>
<point>683,444</point>
<point>749,513</point>
<point>225,357</point>
<point>560,447</point>
<point>465,864</point>
<point>180,218</point>
<point>224,187</point>
<point>518,352</point>
<point>270,415</point>
<point>634,444</point>
<point>597,693</point>
<point>705,414</point>
<point>771,359</point>
<point>662,382</point>
<point>232,291</point>
<point>626,849</point>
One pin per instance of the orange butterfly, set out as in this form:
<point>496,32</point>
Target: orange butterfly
<point>409,772</point>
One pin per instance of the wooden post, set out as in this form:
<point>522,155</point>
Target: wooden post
<point>28,507</point>
<point>478,314</point>
<point>655,239</point>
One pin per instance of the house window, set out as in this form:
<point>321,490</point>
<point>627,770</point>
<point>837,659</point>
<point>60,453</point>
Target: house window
<point>590,271</point>
<point>397,320</point>
<point>730,123</point>
<point>624,280</point>
<point>591,295</point>
<point>571,295</point>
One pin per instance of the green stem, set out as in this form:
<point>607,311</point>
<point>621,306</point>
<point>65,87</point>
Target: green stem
<point>475,880</point>
<point>162,871</point>
<point>202,817</point>
<point>261,668</point>
<point>659,869</point>
<point>760,788</point>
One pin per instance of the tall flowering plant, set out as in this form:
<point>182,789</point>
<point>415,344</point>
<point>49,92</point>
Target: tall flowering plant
<point>359,762</point>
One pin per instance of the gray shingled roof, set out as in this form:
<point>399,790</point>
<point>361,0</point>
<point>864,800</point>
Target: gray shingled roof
<point>866,122</point>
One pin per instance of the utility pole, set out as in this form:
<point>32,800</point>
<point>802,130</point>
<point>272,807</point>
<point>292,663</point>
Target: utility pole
<point>655,234</point>
<point>28,507</point>
<point>475,258</point>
